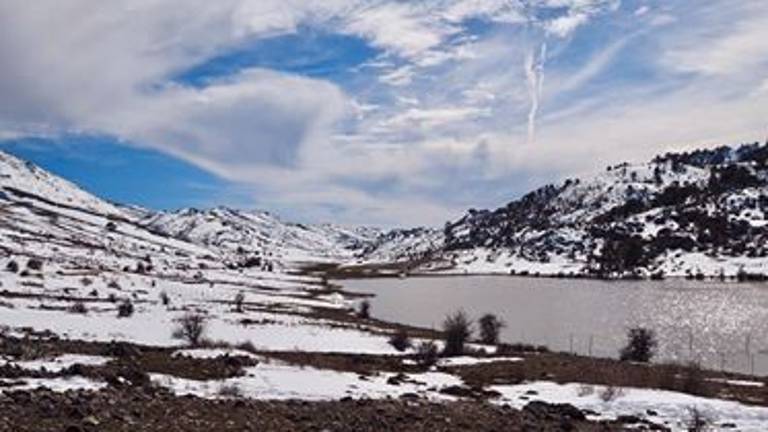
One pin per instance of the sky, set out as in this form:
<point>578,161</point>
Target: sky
<point>377,112</point>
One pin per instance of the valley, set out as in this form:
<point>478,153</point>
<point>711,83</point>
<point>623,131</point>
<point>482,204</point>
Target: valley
<point>98,301</point>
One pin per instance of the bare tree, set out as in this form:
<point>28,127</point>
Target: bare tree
<point>490,327</point>
<point>191,328</point>
<point>239,300</point>
<point>641,345</point>
<point>457,329</point>
<point>365,309</point>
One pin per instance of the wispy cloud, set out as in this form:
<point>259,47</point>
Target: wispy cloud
<point>449,94</point>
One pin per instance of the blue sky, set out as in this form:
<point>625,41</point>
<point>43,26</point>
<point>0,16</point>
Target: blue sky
<point>370,111</point>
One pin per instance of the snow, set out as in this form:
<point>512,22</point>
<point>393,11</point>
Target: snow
<point>672,408</point>
<point>470,361</point>
<point>212,353</point>
<point>57,364</point>
<point>279,381</point>
<point>154,324</point>
<point>55,384</point>
<point>742,383</point>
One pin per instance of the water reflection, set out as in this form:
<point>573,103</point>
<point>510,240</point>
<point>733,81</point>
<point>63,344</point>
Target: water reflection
<point>717,324</point>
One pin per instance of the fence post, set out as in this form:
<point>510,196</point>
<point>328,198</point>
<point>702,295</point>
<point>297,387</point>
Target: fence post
<point>690,343</point>
<point>747,343</point>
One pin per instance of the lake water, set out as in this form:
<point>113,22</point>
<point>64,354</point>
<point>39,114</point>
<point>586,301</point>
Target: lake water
<point>721,325</point>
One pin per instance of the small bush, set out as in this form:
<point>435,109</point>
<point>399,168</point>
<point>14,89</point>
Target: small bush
<point>164,298</point>
<point>191,328</point>
<point>35,264</point>
<point>86,281</point>
<point>78,308</point>
<point>113,284</point>
<point>611,393</point>
<point>458,330</point>
<point>697,420</point>
<point>585,390</point>
<point>400,340</point>
<point>246,346</point>
<point>490,327</point>
<point>641,345</point>
<point>427,354</point>
<point>112,298</point>
<point>239,300</point>
<point>125,309</point>
<point>230,391</point>
<point>364,311</point>
<point>12,266</point>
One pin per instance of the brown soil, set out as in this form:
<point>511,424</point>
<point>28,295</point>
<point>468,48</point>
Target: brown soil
<point>156,410</point>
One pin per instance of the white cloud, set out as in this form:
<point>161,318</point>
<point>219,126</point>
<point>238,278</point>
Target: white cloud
<point>439,105</point>
<point>729,38</point>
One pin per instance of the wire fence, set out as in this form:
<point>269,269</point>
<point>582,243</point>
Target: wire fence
<point>739,353</point>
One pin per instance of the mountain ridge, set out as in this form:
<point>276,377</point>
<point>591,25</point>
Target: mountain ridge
<point>693,213</point>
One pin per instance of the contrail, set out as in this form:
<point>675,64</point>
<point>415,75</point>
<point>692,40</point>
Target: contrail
<point>534,73</point>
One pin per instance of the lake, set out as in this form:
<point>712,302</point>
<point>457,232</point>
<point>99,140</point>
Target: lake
<point>721,325</point>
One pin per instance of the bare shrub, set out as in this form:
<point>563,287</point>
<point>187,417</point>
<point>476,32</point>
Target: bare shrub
<point>364,310</point>
<point>164,298</point>
<point>697,420</point>
<point>125,309</point>
<point>585,390</point>
<point>86,281</point>
<point>611,393</point>
<point>427,354</point>
<point>191,328</point>
<point>78,308</point>
<point>246,346</point>
<point>239,300</point>
<point>35,264</point>
<point>230,391</point>
<point>400,340</point>
<point>113,284</point>
<point>12,266</point>
<point>457,329</point>
<point>490,327</point>
<point>641,345</point>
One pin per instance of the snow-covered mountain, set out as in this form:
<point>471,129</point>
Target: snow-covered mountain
<point>263,234</point>
<point>44,215</point>
<point>698,213</point>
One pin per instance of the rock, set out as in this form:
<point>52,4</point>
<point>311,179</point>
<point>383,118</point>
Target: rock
<point>91,421</point>
<point>545,410</point>
<point>628,419</point>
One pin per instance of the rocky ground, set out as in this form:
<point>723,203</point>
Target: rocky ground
<point>130,400</point>
<point>158,410</point>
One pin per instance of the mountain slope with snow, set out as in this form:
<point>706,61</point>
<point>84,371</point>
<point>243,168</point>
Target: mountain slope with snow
<point>699,213</point>
<point>263,234</point>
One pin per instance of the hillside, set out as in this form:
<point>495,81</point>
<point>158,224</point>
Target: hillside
<point>694,214</point>
<point>262,234</point>
<point>95,299</point>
